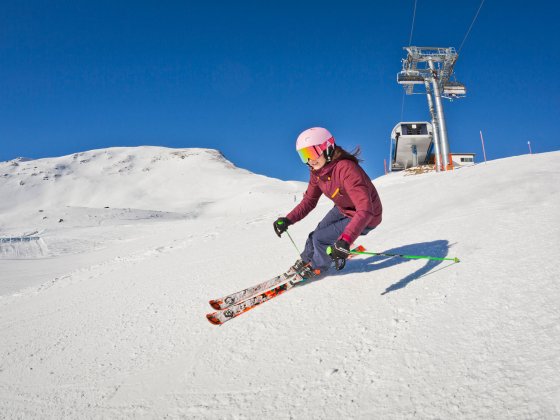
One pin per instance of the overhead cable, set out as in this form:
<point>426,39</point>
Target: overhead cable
<point>409,44</point>
<point>470,27</point>
<point>413,19</point>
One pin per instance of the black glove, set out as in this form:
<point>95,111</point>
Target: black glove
<point>338,252</point>
<point>281,225</point>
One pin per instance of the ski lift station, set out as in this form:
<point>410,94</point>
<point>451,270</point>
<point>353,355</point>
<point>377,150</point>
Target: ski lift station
<point>411,145</point>
<point>421,143</point>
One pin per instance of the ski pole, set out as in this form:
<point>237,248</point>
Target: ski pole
<point>415,257</point>
<point>295,246</point>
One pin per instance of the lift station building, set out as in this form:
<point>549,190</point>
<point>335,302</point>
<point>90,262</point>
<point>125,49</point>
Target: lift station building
<point>411,145</point>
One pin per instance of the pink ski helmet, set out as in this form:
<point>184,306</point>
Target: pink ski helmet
<point>314,142</point>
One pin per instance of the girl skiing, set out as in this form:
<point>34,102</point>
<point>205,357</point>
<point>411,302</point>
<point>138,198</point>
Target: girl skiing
<point>357,207</point>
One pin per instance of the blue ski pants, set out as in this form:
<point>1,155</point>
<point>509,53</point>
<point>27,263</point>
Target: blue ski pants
<point>326,233</point>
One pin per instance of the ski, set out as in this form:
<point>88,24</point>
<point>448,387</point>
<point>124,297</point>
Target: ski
<point>224,315</point>
<point>233,298</point>
<point>234,304</point>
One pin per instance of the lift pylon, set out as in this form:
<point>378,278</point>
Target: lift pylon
<point>433,66</point>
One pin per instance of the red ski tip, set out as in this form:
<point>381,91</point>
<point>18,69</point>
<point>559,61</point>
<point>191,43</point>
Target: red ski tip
<point>215,304</point>
<point>213,319</point>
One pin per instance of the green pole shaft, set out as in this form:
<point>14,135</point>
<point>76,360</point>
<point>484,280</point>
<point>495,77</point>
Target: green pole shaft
<point>295,246</point>
<point>415,257</point>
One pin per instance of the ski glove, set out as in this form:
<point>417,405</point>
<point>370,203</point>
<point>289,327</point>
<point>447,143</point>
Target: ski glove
<point>338,252</point>
<point>281,225</point>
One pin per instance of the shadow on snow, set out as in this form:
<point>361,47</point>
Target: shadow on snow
<point>439,248</point>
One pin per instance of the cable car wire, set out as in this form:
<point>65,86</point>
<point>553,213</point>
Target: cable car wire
<point>413,19</point>
<point>470,27</point>
<point>409,44</point>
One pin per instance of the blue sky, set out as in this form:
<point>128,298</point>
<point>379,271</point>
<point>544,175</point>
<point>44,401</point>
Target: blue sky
<point>246,77</point>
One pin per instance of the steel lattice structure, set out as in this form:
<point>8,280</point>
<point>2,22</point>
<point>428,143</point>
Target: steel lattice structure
<point>433,68</point>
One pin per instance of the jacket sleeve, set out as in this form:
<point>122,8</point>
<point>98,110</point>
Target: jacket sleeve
<point>310,200</point>
<point>354,182</point>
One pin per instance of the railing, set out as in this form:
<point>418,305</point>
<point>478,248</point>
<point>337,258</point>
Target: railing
<point>19,239</point>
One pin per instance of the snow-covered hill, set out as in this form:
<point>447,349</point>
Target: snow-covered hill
<point>187,181</point>
<point>106,317</point>
<point>85,205</point>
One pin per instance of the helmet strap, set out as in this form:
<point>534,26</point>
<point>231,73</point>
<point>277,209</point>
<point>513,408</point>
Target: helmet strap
<point>329,153</point>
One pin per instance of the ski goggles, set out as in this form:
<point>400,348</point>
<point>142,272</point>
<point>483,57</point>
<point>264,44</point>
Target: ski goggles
<point>314,152</point>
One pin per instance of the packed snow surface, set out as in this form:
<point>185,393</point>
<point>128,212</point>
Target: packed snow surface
<point>102,313</point>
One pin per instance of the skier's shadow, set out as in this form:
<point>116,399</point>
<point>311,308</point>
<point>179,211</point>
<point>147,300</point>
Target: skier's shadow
<point>439,248</point>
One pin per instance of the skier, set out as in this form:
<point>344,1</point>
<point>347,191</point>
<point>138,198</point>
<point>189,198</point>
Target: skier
<point>357,207</point>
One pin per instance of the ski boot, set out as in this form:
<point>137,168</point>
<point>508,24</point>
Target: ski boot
<point>304,270</point>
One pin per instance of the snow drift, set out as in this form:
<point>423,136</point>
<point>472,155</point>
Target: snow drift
<point>111,323</point>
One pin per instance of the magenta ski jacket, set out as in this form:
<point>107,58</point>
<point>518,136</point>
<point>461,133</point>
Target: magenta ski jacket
<point>351,190</point>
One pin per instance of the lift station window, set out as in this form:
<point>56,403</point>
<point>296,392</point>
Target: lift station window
<point>414,129</point>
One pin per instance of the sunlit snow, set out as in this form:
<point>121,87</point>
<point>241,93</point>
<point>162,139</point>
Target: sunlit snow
<point>102,308</point>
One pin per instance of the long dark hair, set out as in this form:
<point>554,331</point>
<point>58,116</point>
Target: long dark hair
<point>340,154</point>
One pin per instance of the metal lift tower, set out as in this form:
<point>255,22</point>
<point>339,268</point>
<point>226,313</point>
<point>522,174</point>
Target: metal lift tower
<point>432,67</point>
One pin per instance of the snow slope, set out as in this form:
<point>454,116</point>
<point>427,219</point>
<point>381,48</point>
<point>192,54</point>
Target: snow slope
<point>107,320</point>
<point>87,204</point>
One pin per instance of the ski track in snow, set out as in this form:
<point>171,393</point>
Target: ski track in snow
<point>119,330</point>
